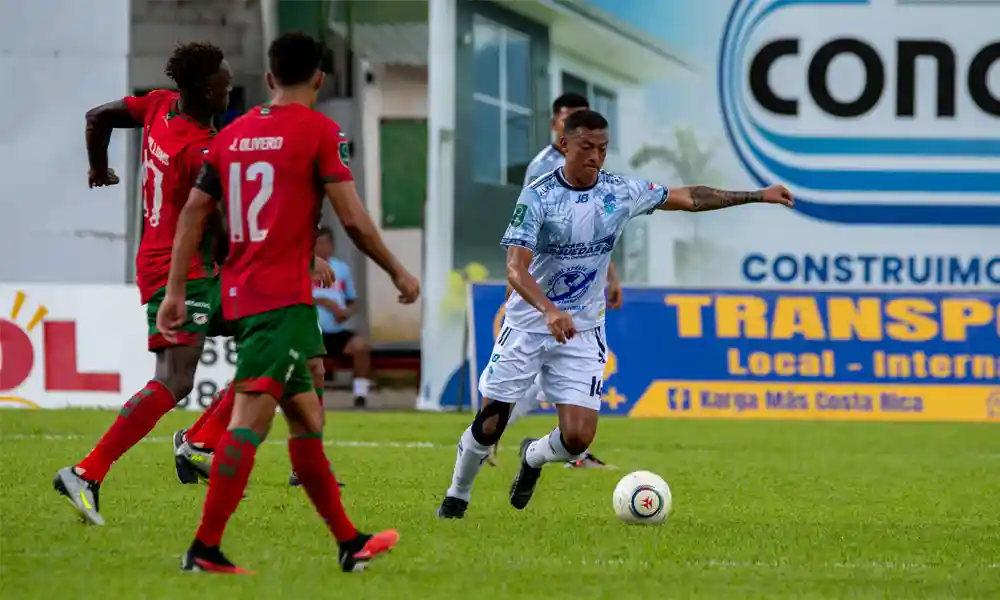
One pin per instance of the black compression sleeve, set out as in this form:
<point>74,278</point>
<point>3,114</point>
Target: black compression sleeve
<point>209,181</point>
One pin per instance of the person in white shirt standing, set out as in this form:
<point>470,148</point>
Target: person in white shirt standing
<point>549,159</point>
<point>559,242</point>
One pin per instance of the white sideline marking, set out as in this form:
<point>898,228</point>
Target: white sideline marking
<point>161,439</point>
<point>737,564</point>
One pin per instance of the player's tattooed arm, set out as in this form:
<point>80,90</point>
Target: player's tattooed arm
<point>701,198</point>
<point>101,121</point>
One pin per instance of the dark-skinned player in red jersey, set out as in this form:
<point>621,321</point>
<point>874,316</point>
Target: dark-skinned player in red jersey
<point>271,168</point>
<point>178,131</point>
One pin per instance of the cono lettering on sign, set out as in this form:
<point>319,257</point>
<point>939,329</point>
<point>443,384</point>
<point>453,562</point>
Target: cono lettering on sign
<point>867,113</point>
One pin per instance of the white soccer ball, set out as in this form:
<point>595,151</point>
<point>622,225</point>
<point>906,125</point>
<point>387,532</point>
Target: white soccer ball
<point>642,498</point>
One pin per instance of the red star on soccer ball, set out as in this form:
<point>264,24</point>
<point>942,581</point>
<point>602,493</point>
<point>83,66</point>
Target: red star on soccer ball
<point>647,502</point>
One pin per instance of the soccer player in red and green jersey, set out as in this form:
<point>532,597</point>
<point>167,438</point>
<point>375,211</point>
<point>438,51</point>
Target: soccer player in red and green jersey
<point>177,133</point>
<point>271,167</point>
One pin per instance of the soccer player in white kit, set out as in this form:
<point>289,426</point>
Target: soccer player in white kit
<point>559,244</point>
<point>547,160</point>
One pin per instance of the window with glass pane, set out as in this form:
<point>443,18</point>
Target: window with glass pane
<point>574,85</point>
<point>601,99</point>
<point>606,103</point>
<point>502,95</point>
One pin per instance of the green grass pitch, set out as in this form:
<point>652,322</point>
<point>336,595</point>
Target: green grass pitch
<point>761,510</point>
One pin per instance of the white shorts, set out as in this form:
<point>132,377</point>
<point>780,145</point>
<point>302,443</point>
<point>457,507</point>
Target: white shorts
<point>570,373</point>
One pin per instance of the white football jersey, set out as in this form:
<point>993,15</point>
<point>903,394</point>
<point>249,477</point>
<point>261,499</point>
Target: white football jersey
<point>572,232</point>
<point>549,159</point>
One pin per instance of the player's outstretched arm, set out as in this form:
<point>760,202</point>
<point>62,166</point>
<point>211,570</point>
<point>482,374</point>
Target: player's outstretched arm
<point>362,231</point>
<point>701,198</point>
<point>101,121</point>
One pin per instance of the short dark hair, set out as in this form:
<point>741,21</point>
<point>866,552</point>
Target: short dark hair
<point>324,231</point>
<point>295,57</point>
<point>569,100</point>
<point>591,120</point>
<point>191,64</point>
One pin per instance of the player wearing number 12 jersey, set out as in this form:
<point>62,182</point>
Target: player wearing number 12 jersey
<point>177,133</point>
<point>271,168</point>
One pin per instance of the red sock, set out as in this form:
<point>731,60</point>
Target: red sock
<point>310,464</point>
<point>137,418</point>
<point>210,432</point>
<point>207,414</point>
<point>234,457</point>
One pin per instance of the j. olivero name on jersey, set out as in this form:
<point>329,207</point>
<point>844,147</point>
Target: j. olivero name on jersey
<point>256,143</point>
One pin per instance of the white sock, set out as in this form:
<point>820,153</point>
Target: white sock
<point>468,463</point>
<point>362,387</point>
<point>549,449</point>
<point>531,401</point>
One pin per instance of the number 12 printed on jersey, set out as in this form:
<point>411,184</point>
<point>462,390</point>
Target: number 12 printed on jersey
<point>259,171</point>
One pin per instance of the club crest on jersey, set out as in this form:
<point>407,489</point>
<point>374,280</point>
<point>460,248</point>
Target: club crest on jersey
<point>609,204</point>
<point>204,150</point>
<point>345,152</point>
<point>569,284</point>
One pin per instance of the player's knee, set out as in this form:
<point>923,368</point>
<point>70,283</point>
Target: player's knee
<point>577,442</point>
<point>317,371</point>
<point>358,345</point>
<point>490,422</point>
<point>179,384</point>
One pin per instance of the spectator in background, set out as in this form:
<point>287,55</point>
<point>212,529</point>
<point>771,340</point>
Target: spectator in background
<point>335,306</point>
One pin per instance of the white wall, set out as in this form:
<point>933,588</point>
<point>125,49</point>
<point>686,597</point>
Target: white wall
<point>398,92</point>
<point>233,25</point>
<point>57,61</point>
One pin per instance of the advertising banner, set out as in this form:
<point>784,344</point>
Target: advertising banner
<point>755,354</point>
<point>68,346</point>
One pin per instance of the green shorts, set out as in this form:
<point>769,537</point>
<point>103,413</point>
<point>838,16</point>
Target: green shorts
<point>319,348</point>
<point>204,315</point>
<point>274,348</point>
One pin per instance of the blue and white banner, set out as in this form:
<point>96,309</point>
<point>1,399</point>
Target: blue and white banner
<point>752,354</point>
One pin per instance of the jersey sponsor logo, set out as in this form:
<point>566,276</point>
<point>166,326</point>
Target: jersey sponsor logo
<point>257,143</point>
<point>344,150</point>
<point>583,198</point>
<point>570,284</point>
<point>605,177</point>
<point>519,211</point>
<point>583,249</point>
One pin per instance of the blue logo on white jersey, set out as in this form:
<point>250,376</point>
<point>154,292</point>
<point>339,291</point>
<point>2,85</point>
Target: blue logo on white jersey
<point>569,284</point>
<point>583,198</point>
<point>609,204</point>
<point>864,134</point>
